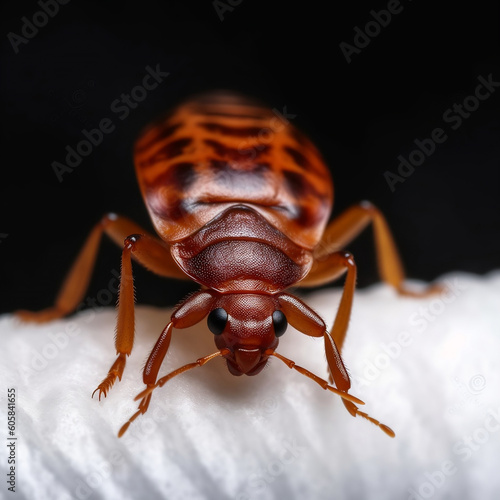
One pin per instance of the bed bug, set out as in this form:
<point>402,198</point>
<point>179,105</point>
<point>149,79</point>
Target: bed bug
<point>241,200</point>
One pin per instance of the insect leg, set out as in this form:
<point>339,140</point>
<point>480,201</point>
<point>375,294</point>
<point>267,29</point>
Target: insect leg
<point>301,317</point>
<point>347,226</point>
<point>323,383</point>
<point>146,394</point>
<point>188,313</point>
<point>142,247</point>
<point>152,368</point>
<point>154,256</point>
<point>329,269</point>
<point>347,399</point>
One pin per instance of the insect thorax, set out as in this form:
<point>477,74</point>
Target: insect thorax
<point>239,251</point>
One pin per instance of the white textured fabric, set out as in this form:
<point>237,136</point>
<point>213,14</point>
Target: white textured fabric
<point>429,368</point>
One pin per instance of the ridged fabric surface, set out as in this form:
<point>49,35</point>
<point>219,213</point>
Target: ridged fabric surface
<point>428,368</point>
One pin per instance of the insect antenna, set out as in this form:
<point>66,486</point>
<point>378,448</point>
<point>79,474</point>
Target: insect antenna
<point>347,399</point>
<point>354,411</point>
<point>323,383</point>
<point>145,395</point>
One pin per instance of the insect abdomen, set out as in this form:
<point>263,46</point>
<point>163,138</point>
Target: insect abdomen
<point>222,149</point>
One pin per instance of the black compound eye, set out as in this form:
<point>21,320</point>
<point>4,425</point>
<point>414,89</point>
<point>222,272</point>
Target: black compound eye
<point>280,323</point>
<point>217,320</point>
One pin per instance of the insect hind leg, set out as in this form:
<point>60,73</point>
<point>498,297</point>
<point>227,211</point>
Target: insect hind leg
<point>157,258</point>
<point>344,229</point>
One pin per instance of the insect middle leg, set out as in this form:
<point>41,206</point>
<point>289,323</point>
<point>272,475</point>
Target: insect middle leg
<point>347,226</point>
<point>151,370</point>
<point>328,269</point>
<point>138,244</point>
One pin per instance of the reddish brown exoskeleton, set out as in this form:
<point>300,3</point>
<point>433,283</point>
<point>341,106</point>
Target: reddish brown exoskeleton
<point>241,200</point>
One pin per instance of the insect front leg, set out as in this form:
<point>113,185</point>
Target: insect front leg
<point>304,319</point>
<point>190,312</point>
<point>151,372</point>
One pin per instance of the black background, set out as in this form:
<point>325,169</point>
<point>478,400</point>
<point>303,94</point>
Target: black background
<point>362,115</point>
